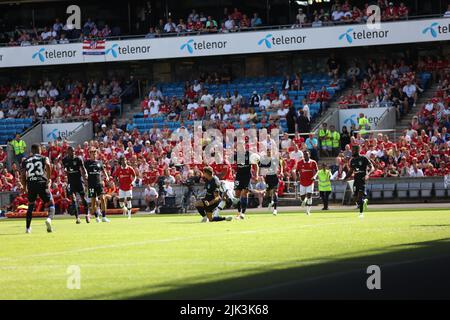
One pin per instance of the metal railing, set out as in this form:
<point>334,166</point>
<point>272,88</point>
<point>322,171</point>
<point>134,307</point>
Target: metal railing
<point>196,33</point>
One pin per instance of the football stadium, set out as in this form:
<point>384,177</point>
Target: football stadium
<point>222,150</point>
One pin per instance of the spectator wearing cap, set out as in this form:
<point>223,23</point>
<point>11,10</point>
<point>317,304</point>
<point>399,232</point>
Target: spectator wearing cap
<point>391,12</point>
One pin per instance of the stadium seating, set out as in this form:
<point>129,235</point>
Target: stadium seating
<point>425,189</point>
<point>388,191</point>
<point>376,191</point>
<point>9,127</point>
<point>245,87</point>
<point>402,190</point>
<point>439,190</point>
<point>414,189</point>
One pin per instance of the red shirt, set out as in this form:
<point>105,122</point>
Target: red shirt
<point>307,171</point>
<point>126,177</point>
<point>225,171</point>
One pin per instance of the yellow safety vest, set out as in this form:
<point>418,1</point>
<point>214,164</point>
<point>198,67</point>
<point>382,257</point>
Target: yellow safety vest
<point>336,138</point>
<point>324,180</point>
<point>327,135</point>
<point>363,122</point>
<point>18,146</point>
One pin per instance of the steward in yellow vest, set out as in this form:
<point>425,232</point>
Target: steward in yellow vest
<point>324,177</point>
<point>325,139</point>
<point>335,141</point>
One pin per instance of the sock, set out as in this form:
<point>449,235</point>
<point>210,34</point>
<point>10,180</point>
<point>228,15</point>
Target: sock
<point>104,213</point>
<point>222,205</point>
<point>85,205</point>
<point>96,213</point>
<point>30,214</point>
<point>201,210</point>
<point>244,202</point>
<point>218,219</point>
<point>275,201</point>
<point>239,206</point>
<point>309,202</point>
<point>77,212</point>
<point>361,206</point>
<point>51,211</point>
<point>129,206</point>
<point>122,206</point>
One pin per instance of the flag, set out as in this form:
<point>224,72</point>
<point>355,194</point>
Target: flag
<point>93,47</point>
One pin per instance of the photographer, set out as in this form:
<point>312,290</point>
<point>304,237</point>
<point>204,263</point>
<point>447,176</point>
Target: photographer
<point>189,182</point>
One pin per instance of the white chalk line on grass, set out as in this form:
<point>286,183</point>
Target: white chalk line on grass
<point>321,277</point>
<point>140,243</point>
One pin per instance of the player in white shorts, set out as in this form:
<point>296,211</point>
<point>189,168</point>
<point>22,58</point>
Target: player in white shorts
<point>126,176</point>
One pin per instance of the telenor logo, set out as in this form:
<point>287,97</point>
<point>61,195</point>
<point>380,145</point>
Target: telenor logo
<point>112,50</point>
<point>351,35</point>
<point>44,54</point>
<point>349,121</point>
<point>115,50</point>
<point>53,134</point>
<point>188,46</point>
<point>271,41</point>
<point>266,41</point>
<point>347,36</point>
<point>431,29</point>
<point>40,54</point>
<point>191,45</point>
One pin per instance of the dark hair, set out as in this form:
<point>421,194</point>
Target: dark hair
<point>208,169</point>
<point>35,148</point>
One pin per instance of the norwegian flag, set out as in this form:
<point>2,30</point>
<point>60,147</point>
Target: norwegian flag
<point>94,47</point>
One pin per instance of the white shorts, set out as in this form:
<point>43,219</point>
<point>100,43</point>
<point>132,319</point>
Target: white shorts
<point>304,190</point>
<point>227,185</point>
<point>125,194</point>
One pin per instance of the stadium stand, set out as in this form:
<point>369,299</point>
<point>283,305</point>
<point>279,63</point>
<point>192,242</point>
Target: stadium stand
<point>9,128</point>
<point>194,22</point>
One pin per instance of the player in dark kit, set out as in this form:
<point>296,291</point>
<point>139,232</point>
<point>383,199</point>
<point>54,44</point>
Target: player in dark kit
<point>74,167</point>
<point>212,198</point>
<point>362,168</point>
<point>242,182</point>
<point>271,169</point>
<point>94,169</point>
<point>35,179</point>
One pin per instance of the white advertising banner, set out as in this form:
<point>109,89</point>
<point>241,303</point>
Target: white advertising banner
<point>348,117</point>
<point>53,131</point>
<point>226,43</point>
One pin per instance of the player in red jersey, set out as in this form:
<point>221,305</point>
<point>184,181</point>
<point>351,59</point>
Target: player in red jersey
<point>306,170</point>
<point>125,176</point>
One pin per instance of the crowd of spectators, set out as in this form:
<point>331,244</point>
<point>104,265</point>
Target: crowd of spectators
<point>390,83</point>
<point>339,12</point>
<point>343,12</point>
<point>64,100</point>
<point>422,150</point>
<point>59,33</point>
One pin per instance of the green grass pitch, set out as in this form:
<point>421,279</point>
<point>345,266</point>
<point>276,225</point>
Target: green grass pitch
<point>176,257</point>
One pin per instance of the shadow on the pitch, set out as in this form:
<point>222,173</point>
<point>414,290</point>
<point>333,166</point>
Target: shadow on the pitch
<point>409,271</point>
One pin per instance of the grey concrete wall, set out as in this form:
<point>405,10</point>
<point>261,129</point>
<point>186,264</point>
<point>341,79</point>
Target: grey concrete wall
<point>84,133</point>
